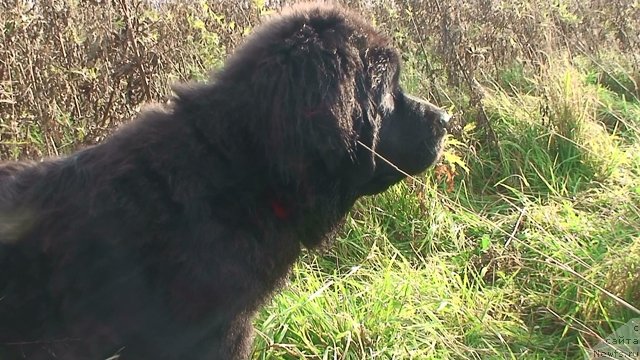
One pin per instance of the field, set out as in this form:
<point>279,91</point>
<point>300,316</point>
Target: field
<point>523,243</point>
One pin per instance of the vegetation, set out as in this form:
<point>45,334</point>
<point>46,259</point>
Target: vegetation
<point>523,243</point>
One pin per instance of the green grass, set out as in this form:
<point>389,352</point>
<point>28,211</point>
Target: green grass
<point>533,253</point>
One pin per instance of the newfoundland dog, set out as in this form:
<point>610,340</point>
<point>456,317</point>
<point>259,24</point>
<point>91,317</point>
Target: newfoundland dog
<point>163,241</point>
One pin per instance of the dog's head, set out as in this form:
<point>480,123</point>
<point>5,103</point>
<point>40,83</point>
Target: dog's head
<point>325,102</point>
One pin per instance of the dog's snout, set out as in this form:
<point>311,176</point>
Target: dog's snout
<point>432,111</point>
<point>443,118</point>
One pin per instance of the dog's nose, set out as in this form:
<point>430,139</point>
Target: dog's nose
<point>443,118</point>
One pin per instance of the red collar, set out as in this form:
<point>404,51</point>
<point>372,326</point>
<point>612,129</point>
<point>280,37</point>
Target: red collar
<point>280,210</point>
<point>310,112</point>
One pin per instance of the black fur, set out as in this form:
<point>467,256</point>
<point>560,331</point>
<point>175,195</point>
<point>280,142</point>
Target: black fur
<point>163,241</point>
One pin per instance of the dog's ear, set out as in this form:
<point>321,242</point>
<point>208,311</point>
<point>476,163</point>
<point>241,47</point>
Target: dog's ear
<point>307,97</point>
<point>375,89</point>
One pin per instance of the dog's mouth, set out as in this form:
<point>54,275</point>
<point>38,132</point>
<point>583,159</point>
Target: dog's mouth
<point>380,184</point>
<point>389,172</point>
<point>438,150</point>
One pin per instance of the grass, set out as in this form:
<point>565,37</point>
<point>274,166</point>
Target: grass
<point>534,254</point>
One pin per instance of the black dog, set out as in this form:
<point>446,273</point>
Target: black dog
<point>163,241</point>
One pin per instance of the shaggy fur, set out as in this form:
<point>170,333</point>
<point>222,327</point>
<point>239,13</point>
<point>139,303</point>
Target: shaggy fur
<point>163,241</point>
